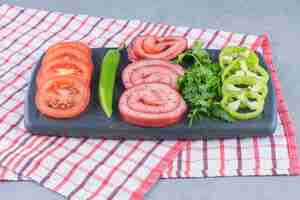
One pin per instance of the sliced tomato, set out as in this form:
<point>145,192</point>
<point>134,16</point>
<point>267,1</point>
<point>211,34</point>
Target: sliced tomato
<point>61,67</point>
<point>74,44</point>
<point>62,97</point>
<point>38,78</point>
<point>67,53</point>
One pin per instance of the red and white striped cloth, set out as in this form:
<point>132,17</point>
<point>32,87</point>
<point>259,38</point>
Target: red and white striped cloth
<point>255,156</point>
<point>112,169</point>
<point>76,168</point>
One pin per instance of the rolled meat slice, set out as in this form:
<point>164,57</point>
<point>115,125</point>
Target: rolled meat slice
<point>151,71</point>
<point>152,105</point>
<point>151,47</point>
<point>131,56</point>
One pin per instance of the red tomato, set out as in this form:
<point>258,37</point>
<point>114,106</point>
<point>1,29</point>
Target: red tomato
<point>76,45</point>
<point>61,67</point>
<point>62,97</point>
<point>67,53</point>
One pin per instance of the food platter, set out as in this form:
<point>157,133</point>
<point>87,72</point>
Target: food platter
<point>93,123</point>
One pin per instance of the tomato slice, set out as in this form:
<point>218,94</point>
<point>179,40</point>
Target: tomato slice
<point>74,44</point>
<point>62,97</point>
<point>62,67</point>
<point>67,53</point>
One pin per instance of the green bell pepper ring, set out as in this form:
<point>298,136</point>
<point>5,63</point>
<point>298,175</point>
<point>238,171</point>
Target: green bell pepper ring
<point>240,68</point>
<point>239,84</point>
<point>232,53</point>
<point>243,106</point>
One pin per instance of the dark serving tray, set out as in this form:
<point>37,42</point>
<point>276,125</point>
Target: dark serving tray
<point>94,124</point>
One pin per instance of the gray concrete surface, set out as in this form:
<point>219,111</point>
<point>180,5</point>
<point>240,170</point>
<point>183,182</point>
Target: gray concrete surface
<point>279,18</point>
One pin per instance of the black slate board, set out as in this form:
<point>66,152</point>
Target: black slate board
<point>94,124</point>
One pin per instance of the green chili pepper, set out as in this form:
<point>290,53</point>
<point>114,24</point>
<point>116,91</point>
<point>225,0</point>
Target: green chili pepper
<point>243,106</point>
<point>240,84</point>
<point>107,79</point>
<point>230,54</point>
<point>240,68</point>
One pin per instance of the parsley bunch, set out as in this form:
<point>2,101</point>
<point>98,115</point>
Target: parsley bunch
<point>201,84</point>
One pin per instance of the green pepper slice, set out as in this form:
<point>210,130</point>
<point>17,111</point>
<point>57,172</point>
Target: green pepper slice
<point>243,106</point>
<point>240,68</point>
<point>240,84</point>
<point>232,53</point>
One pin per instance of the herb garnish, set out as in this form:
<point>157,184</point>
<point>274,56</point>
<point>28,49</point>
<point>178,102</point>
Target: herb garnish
<point>201,84</point>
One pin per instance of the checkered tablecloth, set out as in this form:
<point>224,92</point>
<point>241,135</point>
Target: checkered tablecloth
<point>118,169</point>
<point>255,156</point>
